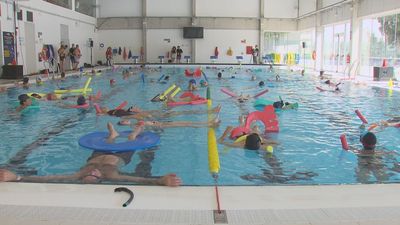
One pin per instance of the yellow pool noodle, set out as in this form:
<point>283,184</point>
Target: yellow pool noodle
<point>87,83</point>
<point>213,157</point>
<point>390,84</point>
<point>72,91</point>
<point>175,92</point>
<point>162,96</point>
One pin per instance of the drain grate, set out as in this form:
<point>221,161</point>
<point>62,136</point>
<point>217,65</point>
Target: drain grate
<point>220,217</point>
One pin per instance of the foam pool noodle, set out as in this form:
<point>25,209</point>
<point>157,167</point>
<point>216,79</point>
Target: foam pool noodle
<point>269,149</point>
<point>213,157</point>
<point>390,83</point>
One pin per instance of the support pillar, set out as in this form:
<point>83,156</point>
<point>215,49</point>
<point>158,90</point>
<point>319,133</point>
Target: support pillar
<point>144,30</point>
<point>355,35</point>
<point>261,32</point>
<point>194,22</point>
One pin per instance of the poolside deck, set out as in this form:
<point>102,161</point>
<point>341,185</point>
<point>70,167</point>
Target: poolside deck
<point>44,204</point>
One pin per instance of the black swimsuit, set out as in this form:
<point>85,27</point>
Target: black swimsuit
<point>120,113</point>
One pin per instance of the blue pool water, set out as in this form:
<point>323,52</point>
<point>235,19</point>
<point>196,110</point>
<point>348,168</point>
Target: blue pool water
<point>45,142</point>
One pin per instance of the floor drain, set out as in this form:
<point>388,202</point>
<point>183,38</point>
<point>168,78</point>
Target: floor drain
<point>220,217</point>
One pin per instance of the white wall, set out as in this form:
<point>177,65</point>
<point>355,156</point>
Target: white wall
<point>47,19</point>
<point>331,2</point>
<point>306,23</point>
<point>228,8</point>
<point>281,9</point>
<point>337,14</point>
<point>368,7</point>
<point>223,39</point>
<point>307,6</point>
<point>131,39</point>
<point>170,8</point>
<point>120,8</point>
<point>157,46</point>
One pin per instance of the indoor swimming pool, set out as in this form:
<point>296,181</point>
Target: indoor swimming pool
<point>45,141</point>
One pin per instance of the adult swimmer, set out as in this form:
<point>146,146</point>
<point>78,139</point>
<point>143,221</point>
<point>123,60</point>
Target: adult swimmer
<point>100,166</point>
<point>169,124</point>
<point>24,102</point>
<point>139,114</point>
<point>54,97</point>
<point>393,122</point>
<point>372,161</point>
<point>253,141</point>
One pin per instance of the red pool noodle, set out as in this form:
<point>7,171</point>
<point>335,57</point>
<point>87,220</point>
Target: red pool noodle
<point>122,105</point>
<point>97,107</point>
<point>362,118</point>
<point>343,139</point>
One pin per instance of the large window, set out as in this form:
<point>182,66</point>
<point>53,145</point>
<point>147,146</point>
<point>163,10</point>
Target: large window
<point>291,42</point>
<point>380,40</point>
<point>64,3</point>
<point>336,47</point>
<point>87,7</point>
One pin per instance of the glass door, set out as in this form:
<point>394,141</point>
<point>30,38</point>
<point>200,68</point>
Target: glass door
<point>339,53</point>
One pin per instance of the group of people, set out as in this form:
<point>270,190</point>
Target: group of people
<point>103,166</point>
<point>74,54</point>
<point>175,55</point>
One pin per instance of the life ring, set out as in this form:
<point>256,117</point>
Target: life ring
<point>314,55</point>
<point>98,141</point>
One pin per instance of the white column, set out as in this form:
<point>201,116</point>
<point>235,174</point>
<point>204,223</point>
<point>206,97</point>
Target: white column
<point>261,32</point>
<point>144,29</point>
<point>355,34</point>
<point>193,46</point>
<point>73,4</point>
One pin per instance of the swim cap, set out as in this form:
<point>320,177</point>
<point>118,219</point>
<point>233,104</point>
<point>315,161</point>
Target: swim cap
<point>253,142</point>
<point>219,75</point>
<point>261,83</point>
<point>368,140</point>
<point>81,100</point>
<point>22,98</point>
<point>193,81</point>
<point>25,79</point>
<point>112,81</point>
<point>166,77</point>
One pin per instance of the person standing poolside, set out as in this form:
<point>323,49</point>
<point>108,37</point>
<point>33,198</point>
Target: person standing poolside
<point>173,54</point>
<point>100,166</point>
<point>256,52</point>
<point>109,55</point>
<point>61,56</point>
<point>179,53</point>
<point>77,56</point>
<point>71,55</point>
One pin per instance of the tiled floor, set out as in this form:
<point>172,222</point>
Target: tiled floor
<point>97,204</point>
